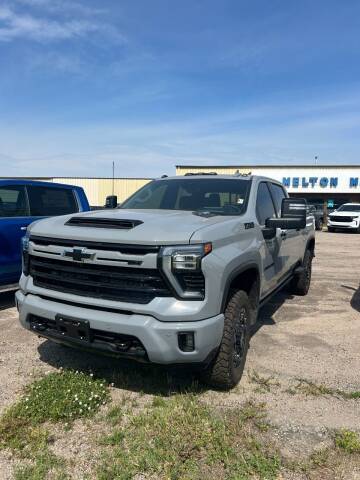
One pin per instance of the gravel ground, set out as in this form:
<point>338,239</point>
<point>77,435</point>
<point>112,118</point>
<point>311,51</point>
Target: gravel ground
<point>315,338</point>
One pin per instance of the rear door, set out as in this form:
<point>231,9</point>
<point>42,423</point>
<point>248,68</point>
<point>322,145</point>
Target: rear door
<point>291,239</point>
<point>14,218</point>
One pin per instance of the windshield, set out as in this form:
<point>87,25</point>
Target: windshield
<point>349,208</point>
<point>215,195</point>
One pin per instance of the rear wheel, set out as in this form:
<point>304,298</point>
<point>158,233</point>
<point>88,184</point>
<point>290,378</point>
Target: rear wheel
<point>320,224</point>
<point>301,283</point>
<point>227,368</point>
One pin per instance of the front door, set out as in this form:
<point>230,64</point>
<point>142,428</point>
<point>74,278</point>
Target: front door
<point>272,249</point>
<point>14,218</point>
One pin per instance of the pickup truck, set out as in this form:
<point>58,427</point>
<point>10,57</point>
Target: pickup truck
<point>174,276</point>
<point>21,203</point>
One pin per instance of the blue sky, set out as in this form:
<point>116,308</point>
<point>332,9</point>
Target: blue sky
<point>151,84</point>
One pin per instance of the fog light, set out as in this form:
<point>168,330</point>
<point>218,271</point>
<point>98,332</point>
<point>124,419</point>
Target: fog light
<point>186,341</point>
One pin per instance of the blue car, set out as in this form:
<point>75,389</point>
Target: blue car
<point>21,203</point>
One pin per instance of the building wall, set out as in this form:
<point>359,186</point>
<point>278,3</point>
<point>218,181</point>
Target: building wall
<point>329,180</point>
<point>97,189</point>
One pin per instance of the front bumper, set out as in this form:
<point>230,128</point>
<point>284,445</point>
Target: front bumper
<point>354,225</point>
<point>160,339</point>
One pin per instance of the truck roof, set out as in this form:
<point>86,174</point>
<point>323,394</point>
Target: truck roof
<point>213,175</point>
<point>10,181</point>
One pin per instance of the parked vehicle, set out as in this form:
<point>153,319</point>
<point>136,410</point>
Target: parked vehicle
<point>176,275</point>
<point>21,203</point>
<point>318,215</point>
<point>346,217</point>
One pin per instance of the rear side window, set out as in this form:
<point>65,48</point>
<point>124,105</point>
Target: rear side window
<point>51,201</point>
<point>278,195</point>
<point>13,201</point>
<point>264,204</point>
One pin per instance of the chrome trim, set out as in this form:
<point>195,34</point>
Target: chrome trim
<point>9,288</point>
<point>99,257</point>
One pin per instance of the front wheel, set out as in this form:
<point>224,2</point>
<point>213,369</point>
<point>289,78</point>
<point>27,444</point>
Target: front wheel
<point>226,370</point>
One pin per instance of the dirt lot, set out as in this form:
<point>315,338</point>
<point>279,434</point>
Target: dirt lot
<point>303,363</point>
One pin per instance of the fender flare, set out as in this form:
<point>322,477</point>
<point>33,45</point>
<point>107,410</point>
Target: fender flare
<point>309,241</point>
<point>234,273</point>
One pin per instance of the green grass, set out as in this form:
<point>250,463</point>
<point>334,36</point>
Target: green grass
<point>180,438</point>
<point>43,465</point>
<point>348,441</point>
<point>115,414</point>
<point>57,397</point>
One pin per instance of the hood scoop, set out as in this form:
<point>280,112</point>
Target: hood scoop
<point>96,222</point>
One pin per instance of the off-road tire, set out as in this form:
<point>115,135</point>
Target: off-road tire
<point>227,368</point>
<point>300,284</point>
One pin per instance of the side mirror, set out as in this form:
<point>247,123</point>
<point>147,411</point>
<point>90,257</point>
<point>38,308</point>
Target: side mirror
<point>293,215</point>
<point>111,201</point>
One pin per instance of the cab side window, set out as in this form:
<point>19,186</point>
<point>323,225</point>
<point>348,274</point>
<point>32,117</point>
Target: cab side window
<point>278,195</point>
<point>264,204</point>
<point>13,202</point>
<point>51,201</point>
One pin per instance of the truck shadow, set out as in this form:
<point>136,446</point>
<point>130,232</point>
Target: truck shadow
<point>122,374</point>
<point>7,300</point>
<point>267,312</point>
<point>355,300</point>
<point>137,377</point>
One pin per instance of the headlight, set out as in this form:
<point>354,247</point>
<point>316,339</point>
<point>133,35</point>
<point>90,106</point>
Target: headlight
<point>25,253</point>
<point>182,268</point>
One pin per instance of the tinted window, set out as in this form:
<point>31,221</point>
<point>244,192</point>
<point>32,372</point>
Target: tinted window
<point>13,202</point>
<point>264,204</point>
<point>220,196</point>
<point>49,201</point>
<point>278,195</point>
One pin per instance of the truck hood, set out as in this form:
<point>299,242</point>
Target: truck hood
<point>157,227</point>
<point>345,214</point>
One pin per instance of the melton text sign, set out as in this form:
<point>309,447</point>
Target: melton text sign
<point>312,182</point>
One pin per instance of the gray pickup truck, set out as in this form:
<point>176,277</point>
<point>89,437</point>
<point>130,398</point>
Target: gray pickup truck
<point>174,276</point>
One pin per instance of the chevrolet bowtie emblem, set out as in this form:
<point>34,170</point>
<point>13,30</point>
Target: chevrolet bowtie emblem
<point>78,254</point>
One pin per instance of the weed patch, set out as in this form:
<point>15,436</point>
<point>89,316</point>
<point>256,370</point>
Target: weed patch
<point>58,396</point>
<point>310,388</point>
<point>264,383</point>
<point>348,441</point>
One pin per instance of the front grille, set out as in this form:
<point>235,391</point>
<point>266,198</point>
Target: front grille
<point>122,284</point>
<point>334,218</point>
